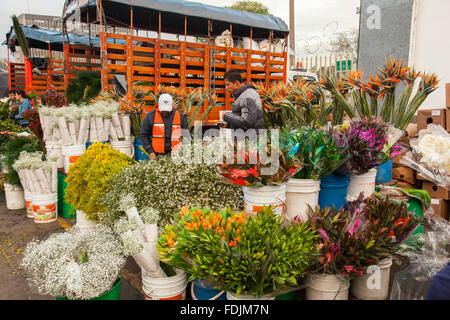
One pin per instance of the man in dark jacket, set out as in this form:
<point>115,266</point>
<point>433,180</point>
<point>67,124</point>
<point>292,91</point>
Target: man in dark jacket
<point>247,111</point>
<point>160,131</point>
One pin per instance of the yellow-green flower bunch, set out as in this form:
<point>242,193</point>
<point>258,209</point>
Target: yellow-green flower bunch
<point>243,254</point>
<point>89,177</point>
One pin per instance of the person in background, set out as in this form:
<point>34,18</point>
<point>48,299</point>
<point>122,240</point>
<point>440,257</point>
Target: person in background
<point>247,112</point>
<point>440,285</point>
<point>25,104</point>
<point>161,129</point>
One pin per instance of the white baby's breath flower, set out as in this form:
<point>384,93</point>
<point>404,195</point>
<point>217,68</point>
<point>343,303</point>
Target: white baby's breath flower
<point>131,245</point>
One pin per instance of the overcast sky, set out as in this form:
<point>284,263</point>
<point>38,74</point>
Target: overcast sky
<point>315,20</point>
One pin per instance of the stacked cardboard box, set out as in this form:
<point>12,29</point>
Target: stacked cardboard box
<point>440,197</point>
<point>404,177</point>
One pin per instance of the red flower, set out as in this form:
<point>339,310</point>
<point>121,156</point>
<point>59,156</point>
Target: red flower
<point>240,182</point>
<point>237,173</point>
<point>254,171</point>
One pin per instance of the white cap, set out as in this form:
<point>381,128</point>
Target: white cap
<point>165,102</point>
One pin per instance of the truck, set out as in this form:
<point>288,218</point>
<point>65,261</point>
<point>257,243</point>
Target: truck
<point>225,39</point>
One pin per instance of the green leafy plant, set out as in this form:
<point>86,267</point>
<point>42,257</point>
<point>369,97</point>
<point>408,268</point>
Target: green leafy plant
<point>257,254</point>
<point>317,149</point>
<point>13,148</point>
<point>85,86</point>
<point>89,177</point>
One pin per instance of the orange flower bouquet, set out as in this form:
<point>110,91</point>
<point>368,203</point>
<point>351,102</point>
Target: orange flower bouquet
<point>257,255</point>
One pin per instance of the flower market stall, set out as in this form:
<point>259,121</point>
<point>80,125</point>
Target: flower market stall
<point>310,210</point>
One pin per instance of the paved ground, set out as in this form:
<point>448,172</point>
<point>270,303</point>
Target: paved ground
<point>16,230</point>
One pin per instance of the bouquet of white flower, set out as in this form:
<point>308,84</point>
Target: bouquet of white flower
<point>37,176</point>
<point>73,264</point>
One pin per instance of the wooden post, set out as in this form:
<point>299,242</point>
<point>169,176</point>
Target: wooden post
<point>131,19</point>
<point>66,66</point>
<point>28,76</point>
<point>158,56</point>
<point>129,53</point>
<point>249,58</point>
<point>228,67</point>
<point>9,72</point>
<point>268,60</point>
<point>49,69</point>
<point>104,60</point>
<point>285,57</point>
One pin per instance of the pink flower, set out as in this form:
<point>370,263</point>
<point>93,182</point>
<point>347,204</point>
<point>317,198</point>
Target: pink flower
<point>324,234</point>
<point>348,268</point>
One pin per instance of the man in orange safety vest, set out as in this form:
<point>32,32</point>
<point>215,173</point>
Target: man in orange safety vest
<point>161,129</point>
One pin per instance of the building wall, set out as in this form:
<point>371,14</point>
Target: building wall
<point>384,34</point>
<point>431,49</point>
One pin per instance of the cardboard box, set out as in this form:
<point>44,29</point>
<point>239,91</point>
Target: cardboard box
<point>435,191</point>
<point>406,185</point>
<point>447,94</point>
<point>396,160</point>
<point>447,121</point>
<point>404,174</point>
<point>441,208</point>
<point>426,117</point>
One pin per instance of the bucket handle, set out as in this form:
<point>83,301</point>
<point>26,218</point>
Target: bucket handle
<point>132,151</point>
<point>213,298</point>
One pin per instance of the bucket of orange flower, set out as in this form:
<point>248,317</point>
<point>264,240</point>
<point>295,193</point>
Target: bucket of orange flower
<point>250,257</point>
<point>262,169</point>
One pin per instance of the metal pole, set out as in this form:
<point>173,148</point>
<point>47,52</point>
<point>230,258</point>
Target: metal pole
<point>291,32</point>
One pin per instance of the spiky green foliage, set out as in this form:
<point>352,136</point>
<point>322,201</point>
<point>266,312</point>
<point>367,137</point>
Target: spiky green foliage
<point>20,36</point>
<point>316,148</point>
<point>86,85</point>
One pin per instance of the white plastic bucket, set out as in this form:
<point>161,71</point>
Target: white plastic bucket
<point>29,204</point>
<point>45,207</point>
<point>124,146</point>
<point>299,194</point>
<point>170,288</point>
<point>327,287</point>
<point>374,284</point>
<point>83,223</point>
<point>232,296</point>
<point>255,198</point>
<point>54,148</point>
<point>71,155</point>
<point>362,183</point>
<point>14,196</point>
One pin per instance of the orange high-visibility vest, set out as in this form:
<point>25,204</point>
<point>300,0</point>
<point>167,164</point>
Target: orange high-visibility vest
<point>158,137</point>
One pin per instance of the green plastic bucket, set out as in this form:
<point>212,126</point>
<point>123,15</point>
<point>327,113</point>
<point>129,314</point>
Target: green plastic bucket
<point>65,210</point>
<point>113,294</point>
<point>286,296</point>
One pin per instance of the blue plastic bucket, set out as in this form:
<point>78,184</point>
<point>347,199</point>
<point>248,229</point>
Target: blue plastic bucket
<point>384,172</point>
<point>333,191</point>
<point>202,292</point>
<point>139,154</point>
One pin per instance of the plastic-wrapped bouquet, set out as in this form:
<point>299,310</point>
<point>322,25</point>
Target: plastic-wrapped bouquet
<point>73,264</point>
<point>37,176</point>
